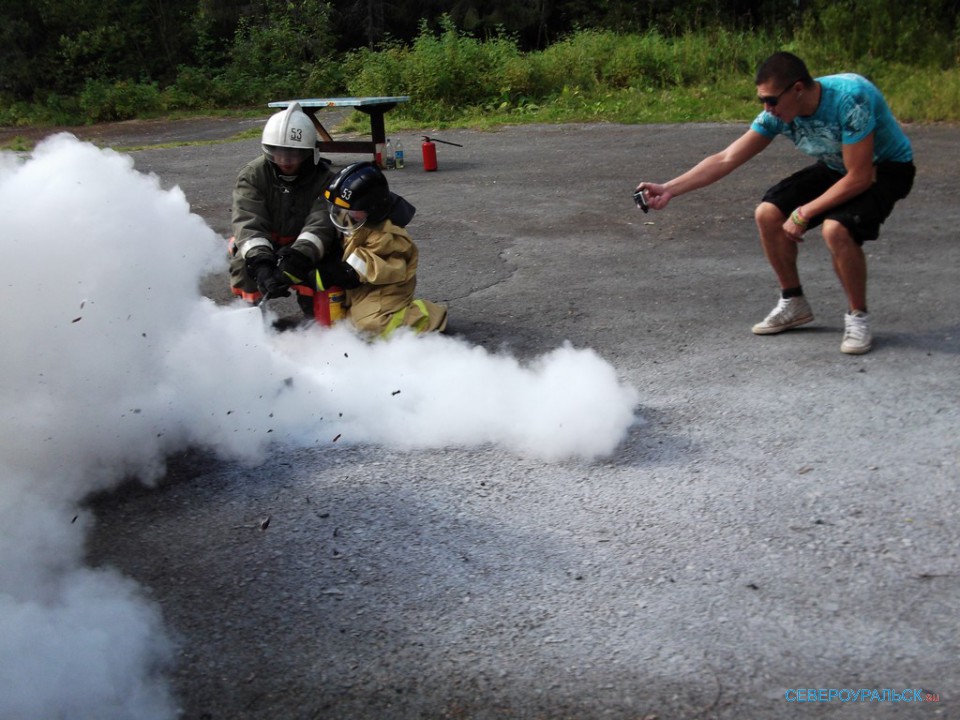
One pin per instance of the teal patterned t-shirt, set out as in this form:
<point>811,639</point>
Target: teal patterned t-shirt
<point>850,108</point>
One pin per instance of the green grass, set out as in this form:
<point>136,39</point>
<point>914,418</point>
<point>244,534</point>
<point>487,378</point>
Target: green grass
<point>594,76</point>
<point>455,80</point>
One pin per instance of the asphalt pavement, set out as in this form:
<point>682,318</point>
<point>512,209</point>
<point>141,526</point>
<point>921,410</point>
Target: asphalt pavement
<point>782,517</point>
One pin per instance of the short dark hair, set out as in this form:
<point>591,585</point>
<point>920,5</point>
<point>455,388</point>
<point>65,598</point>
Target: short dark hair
<point>784,67</point>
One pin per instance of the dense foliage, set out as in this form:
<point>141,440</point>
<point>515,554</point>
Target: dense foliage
<point>64,60</point>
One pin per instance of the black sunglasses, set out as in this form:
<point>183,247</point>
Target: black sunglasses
<point>772,100</point>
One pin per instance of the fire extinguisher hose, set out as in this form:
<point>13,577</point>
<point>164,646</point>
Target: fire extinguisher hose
<point>445,142</point>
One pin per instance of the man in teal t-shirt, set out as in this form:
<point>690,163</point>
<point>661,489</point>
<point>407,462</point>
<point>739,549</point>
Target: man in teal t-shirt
<point>864,164</point>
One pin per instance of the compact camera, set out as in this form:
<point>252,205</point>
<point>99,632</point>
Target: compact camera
<point>641,201</point>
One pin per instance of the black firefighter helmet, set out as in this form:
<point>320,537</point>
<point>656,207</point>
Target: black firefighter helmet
<point>362,188</point>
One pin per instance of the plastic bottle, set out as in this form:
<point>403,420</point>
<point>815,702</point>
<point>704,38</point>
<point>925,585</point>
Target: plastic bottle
<point>391,159</point>
<point>378,155</point>
<point>398,155</point>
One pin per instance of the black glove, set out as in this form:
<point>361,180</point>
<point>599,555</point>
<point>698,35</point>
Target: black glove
<point>339,273</point>
<point>270,281</point>
<point>296,267</point>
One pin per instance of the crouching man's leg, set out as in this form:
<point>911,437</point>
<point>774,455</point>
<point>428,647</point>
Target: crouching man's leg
<point>850,264</point>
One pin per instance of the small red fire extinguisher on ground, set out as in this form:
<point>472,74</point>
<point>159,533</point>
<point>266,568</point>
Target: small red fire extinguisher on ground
<point>328,306</point>
<point>430,152</point>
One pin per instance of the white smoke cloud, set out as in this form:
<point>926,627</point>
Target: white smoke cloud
<point>433,391</point>
<point>112,360</point>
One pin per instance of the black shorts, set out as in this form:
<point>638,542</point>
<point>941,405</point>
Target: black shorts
<point>862,215</point>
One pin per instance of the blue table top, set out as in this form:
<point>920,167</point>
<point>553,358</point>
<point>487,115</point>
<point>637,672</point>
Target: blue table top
<point>342,101</point>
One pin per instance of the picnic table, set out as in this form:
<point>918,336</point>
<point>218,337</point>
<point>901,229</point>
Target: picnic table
<point>375,107</point>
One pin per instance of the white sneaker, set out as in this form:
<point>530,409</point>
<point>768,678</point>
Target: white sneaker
<point>856,333</point>
<point>789,313</point>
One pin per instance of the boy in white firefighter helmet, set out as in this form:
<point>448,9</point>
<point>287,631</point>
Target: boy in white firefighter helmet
<point>277,204</point>
<point>378,266</point>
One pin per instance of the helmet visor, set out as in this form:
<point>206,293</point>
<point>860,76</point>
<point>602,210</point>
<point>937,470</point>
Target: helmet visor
<point>347,221</point>
<point>286,155</point>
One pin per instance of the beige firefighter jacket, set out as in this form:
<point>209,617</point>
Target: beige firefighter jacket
<point>385,257</point>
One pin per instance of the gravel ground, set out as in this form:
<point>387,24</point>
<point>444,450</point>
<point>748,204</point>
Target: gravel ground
<point>780,517</point>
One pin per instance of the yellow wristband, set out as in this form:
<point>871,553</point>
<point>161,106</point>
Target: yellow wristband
<point>798,219</point>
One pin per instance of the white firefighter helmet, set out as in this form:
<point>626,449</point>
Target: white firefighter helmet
<point>292,129</point>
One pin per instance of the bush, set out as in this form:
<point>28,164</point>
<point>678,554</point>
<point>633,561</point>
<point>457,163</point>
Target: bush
<point>444,74</point>
<point>101,100</point>
<point>278,54</point>
<point>841,32</point>
<point>325,79</point>
<point>591,74</point>
<point>194,89</point>
<point>14,113</point>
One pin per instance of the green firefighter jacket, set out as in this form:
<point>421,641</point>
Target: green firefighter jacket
<point>270,211</point>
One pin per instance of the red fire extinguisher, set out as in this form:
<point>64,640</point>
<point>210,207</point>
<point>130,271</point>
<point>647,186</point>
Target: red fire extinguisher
<point>430,152</point>
<point>328,306</point>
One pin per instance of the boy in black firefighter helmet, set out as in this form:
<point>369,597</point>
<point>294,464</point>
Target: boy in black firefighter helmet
<point>378,264</point>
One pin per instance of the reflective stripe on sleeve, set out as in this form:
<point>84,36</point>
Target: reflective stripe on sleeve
<point>314,240</point>
<point>245,246</point>
<point>358,264</point>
